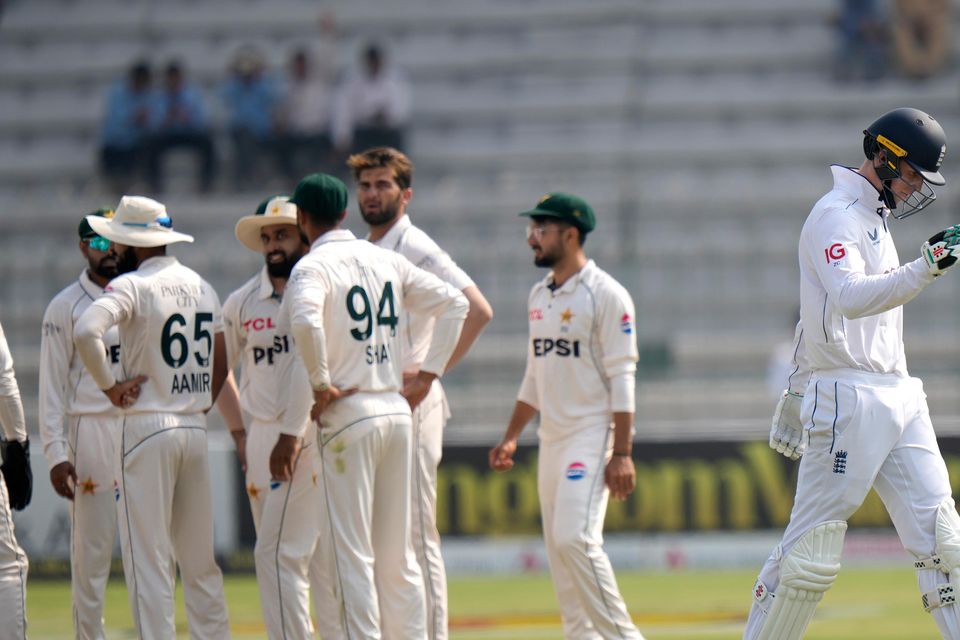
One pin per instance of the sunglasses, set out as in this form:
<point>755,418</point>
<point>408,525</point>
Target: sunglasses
<point>99,243</point>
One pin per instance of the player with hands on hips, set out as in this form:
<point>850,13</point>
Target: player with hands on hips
<point>169,323</point>
<point>851,408</point>
<point>280,468</point>
<point>580,378</point>
<point>384,178</point>
<point>15,491</point>
<point>345,304</point>
<point>80,428</point>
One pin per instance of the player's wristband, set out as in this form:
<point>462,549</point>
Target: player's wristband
<point>618,453</point>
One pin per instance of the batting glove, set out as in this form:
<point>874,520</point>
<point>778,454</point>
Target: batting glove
<point>786,433</point>
<point>942,250</point>
<point>16,472</point>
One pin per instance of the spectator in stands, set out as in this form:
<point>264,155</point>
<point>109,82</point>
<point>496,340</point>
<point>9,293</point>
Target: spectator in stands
<point>180,120</point>
<point>373,106</point>
<point>862,50</point>
<point>252,98</point>
<point>126,126</point>
<point>304,141</point>
<point>921,36</point>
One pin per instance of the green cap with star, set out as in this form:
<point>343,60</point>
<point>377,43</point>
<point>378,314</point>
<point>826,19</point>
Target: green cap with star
<point>565,207</point>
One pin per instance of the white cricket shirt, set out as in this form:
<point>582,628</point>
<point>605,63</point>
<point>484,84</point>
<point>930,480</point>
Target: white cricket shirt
<point>416,246</point>
<point>582,353</point>
<point>167,316</point>
<point>11,408</point>
<point>345,302</point>
<point>266,355</point>
<point>851,283</point>
<point>66,389</point>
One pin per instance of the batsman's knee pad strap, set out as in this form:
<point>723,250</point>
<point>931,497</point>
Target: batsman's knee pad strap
<point>806,572</point>
<point>946,559</point>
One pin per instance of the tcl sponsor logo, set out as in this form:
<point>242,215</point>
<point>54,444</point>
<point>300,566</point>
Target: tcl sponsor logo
<point>835,252</point>
<point>536,314</point>
<point>259,324</point>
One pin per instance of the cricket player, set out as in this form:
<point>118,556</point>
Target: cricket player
<point>15,491</point>
<point>81,456</point>
<point>345,303</point>
<point>851,409</point>
<point>580,377</point>
<point>383,177</point>
<point>175,361</point>
<point>286,514</point>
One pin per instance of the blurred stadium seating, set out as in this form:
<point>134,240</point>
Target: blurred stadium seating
<point>701,132</point>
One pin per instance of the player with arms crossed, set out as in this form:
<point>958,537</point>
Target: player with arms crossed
<point>15,491</point>
<point>345,302</point>
<point>170,328</point>
<point>581,365</point>
<point>851,409</point>
<point>383,176</point>
<point>284,514</point>
<point>82,458</point>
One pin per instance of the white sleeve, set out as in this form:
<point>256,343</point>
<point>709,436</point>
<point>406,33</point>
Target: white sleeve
<point>56,353</point>
<point>618,345</point>
<point>117,304</point>
<point>303,304</point>
<point>528,386</point>
<point>11,408</point>
<point>232,330</point>
<point>800,372</point>
<point>856,294</point>
<point>428,295</point>
<point>438,262</point>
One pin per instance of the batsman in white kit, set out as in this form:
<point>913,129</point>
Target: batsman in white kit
<point>15,492</point>
<point>580,377</point>
<point>851,410</point>
<point>80,429</point>
<point>345,302</point>
<point>174,360</point>
<point>383,176</point>
<point>289,563</point>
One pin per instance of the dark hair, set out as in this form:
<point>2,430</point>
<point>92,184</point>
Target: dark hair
<point>383,157</point>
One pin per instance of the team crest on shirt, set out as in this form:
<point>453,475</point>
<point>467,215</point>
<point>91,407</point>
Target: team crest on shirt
<point>576,471</point>
<point>566,317</point>
<point>626,324</point>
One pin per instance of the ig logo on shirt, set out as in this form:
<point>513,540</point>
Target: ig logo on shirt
<point>835,253</point>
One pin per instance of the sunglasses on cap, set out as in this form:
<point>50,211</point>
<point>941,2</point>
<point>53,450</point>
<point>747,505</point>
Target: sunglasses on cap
<point>99,243</point>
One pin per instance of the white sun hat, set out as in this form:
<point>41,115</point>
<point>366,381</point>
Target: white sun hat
<point>273,210</point>
<point>138,222</point>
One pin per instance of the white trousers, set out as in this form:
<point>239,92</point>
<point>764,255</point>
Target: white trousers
<point>573,503</point>
<point>366,495</point>
<point>428,421</point>
<point>865,430</point>
<point>13,576</point>
<point>166,520</point>
<point>290,563</point>
<point>93,518</point>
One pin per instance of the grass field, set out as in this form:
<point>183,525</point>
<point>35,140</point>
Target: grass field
<point>875,604</point>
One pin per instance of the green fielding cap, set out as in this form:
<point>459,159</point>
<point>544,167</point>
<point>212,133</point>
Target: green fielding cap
<point>566,207</point>
<point>262,207</point>
<point>85,230</point>
<point>320,193</point>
